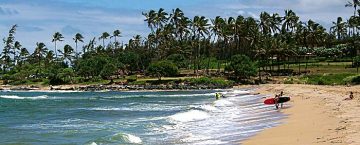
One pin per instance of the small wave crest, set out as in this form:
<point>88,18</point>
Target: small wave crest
<point>192,115</point>
<point>223,103</point>
<point>21,98</point>
<point>126,138</point>
<point>208,108</point>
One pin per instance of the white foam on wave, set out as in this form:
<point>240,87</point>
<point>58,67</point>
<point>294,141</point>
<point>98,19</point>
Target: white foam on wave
<point>223,103</point>
<point>21,98</point>
<point>236,92</point>
<point>128,138</point>
<point>192,115</point>
<point>104,109</point>
<point>208,108</point>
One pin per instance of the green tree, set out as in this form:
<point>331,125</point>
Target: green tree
<point>57,37</point>
<point>108,70</point>
<point>104,36</point>
<point>116,33</point>
<point>78,38</point>
<point>39,53</point>
<point>67,54</point>
<point>163,68</point>
<point>9,49</point>
<point>242,66</point>
<point>355,4</point>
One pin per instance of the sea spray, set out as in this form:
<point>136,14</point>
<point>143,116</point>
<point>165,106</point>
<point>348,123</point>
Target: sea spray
<point>192,115</point>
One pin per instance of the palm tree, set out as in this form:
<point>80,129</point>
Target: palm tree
<point>200,28</point>
<point>49,57</point>
<point>339,28</point>
<point>150,19</point>
<point>217,25</point>
<point>175,19</point>
<point>290,20</point>
<point>265,23</point>
<point>161,18</point>
<point>67,54</point>
<point>78,38</point>
<point>17,47</point>
<point>39,53</point>
<point>24,53</point>
<point>57,37</point>
<point>354,4</point>
<point>116,33</point>
<point>104,36</point>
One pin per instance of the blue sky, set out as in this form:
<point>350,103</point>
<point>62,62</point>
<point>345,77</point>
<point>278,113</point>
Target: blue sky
<point>38,20</point>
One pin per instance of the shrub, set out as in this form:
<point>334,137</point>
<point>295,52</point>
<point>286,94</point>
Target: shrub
<point>131,79</point>
<point>242,66</point>
<point>163,68</point>
<point>352,80</point>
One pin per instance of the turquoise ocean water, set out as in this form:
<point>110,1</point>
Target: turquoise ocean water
<point>154,118</point>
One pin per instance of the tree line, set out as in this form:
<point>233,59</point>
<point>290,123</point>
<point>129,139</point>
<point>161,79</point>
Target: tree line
<point>207,46</point>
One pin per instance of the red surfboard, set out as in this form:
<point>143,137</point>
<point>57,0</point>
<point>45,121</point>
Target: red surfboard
<point>272,100</point>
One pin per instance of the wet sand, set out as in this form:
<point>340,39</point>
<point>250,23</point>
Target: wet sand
<point>316,115</point>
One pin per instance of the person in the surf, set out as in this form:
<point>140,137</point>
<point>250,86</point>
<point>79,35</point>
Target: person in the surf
<point>222,96</point>
<point>217,96</point>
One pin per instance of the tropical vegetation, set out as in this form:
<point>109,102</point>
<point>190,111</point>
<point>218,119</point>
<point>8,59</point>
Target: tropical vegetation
<point>232,47</point>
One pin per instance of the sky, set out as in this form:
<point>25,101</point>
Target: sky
<point>38,20</point>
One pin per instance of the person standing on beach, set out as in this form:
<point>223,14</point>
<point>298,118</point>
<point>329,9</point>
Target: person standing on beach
<point>276,99</point>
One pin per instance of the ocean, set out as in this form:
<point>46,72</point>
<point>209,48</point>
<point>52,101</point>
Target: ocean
<point>151,118</point>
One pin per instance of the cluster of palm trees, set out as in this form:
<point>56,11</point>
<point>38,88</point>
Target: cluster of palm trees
<point>197,41</point>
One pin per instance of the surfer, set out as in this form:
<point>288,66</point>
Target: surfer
<point>217,96</point>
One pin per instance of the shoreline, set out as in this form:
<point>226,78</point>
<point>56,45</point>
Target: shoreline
<point>317,115</point>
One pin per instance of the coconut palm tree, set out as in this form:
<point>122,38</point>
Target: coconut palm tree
<point>175,20</point>
<point>49,57</point>
<point>355,4</point>
<point>150,19</point>
<point>161,18</point>
<point>78,38</point>
<point>104,36</point>
<point>57,37</point>
<point>200,30</point>
<point>265,23</point>
<point>17,48</point>
<point>116,33</point>
<point>24,53</point>
<point>39,53</point>
<point>339,27</point>
<point>290,20</point>
<point>67,54</point>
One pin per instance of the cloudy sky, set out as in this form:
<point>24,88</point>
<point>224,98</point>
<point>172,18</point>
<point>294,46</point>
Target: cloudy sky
<point>38,20</point>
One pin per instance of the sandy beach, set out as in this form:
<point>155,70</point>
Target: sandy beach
<point>316,115</point>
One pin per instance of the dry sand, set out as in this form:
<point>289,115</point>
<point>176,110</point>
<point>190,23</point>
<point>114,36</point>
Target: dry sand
<point>317,115</point>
